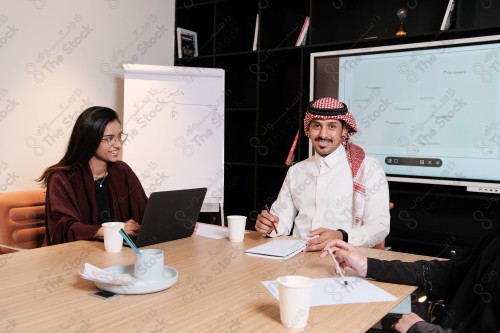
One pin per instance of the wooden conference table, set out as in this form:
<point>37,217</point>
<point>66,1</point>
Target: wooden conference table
<point>219,290</point>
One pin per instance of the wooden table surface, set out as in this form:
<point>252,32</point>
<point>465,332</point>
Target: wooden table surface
<point>219,290</point>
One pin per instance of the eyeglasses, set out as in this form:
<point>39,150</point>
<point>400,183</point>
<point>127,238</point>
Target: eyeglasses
<point>110,140</point>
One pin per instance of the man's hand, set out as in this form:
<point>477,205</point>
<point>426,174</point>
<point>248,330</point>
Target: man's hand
<point>321,237</point>
<point>265,222</point>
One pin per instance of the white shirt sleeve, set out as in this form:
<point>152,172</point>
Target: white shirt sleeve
<point>284,208</point>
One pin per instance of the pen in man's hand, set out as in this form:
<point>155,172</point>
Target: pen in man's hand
<point>337,266</point>
<point>274,224</point>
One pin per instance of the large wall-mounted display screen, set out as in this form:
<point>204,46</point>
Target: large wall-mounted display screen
<point>429,112</point>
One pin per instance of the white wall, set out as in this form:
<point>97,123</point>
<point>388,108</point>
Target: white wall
<point>58,57</point>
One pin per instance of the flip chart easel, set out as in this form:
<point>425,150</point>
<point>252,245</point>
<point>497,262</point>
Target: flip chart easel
<point>174,117</point>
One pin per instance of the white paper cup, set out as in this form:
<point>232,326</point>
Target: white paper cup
<point>295,300</point>
<point>149,265</point>
<point>236,225</point>
<point>113,241</point>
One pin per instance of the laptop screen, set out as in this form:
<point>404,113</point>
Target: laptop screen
<point>170,215</point>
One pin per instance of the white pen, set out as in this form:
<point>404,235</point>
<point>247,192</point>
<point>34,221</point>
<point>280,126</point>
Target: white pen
<point>337,266</point>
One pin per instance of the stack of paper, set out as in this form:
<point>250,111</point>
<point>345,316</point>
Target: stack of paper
<point>96,274</point>
<point>332,291</point>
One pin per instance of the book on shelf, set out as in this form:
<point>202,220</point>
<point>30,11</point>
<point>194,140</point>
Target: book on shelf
<point>301,40</point>
<point>291,153</point>
<point>187,43</point>
<point>278,249</point>
<point>256,34</point>
<point>448,15</point>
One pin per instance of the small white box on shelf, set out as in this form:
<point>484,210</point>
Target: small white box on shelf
<point>448,15</point>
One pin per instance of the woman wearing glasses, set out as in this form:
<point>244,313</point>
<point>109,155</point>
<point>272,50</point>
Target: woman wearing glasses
<point>89,185</point>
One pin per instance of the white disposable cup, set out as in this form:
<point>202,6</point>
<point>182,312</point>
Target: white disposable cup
<point>295,300</point>
<point>113,241</point>
<point>236,225</point>
<point>149,265</point>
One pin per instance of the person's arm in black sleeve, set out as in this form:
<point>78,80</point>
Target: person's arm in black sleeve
<point>433,276</point>
<point>425,327</point>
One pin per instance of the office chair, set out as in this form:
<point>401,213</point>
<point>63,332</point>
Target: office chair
<point>22,219</point>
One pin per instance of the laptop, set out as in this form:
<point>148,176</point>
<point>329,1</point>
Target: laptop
<point>170,215</point>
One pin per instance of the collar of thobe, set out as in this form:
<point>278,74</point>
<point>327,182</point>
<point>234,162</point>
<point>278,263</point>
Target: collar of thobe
<point>330,160</point>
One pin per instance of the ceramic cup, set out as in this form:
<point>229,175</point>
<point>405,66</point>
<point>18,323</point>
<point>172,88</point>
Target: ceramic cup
<point>113,241</point>
<point>236,226</point>
<point>295,300</point>
<point>149,265</point>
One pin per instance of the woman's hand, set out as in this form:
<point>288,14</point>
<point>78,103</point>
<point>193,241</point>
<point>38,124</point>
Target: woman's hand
<point>406,321</point>
<point>347,256</point>
<point>131,228</point>
<point>195,229</point>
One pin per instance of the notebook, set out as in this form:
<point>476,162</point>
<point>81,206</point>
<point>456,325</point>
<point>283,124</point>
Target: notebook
<point>170,215</point>
<point>278,248</point>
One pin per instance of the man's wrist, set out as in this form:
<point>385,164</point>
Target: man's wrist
<point>345,236</point>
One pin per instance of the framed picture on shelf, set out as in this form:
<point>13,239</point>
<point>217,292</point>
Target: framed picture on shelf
<point>187,43</point>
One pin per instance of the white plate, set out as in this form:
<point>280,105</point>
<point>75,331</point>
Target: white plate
<point>170,278</point>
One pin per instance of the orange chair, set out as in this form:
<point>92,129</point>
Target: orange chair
<point>381,245</point>
<point>22,220</point>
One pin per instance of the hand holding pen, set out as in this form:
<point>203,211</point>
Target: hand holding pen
<point>266,222</point>
<point>274,223</point>
<point>337,266</point>
<point>346,255</point>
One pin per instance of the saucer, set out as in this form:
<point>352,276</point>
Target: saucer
<point>169,279</point>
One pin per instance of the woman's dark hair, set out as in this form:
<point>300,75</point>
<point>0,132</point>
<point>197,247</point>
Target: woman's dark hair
<point>84,140</point>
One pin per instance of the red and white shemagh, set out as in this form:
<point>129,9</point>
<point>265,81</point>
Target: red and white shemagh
<point>330,108</point>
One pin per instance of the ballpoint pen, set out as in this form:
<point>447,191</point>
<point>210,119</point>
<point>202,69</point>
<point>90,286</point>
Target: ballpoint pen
<point>337,266</point>
<point>274,224</point>
<point>129,241</point>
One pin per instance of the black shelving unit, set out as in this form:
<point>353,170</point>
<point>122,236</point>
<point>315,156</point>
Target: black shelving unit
<point>267,91</point>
